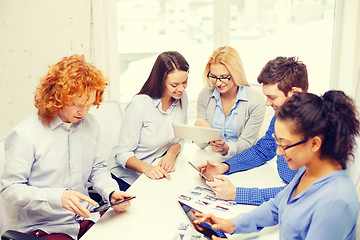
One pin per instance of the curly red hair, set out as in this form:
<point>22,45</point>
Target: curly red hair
<point>70,77</point>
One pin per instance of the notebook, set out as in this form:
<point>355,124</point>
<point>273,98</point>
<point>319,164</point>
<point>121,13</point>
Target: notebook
<point>196,134</point>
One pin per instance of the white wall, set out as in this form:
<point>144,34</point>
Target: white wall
<point>35,34</point>
<point>345,72</point>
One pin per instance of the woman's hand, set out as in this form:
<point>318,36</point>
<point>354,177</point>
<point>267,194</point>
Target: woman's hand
<point>167,162</point>
<point>219,146</point>
<point>217,223</point>
<point>156,172</point>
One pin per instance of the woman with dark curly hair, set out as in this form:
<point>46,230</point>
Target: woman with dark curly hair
<point>317,136</point>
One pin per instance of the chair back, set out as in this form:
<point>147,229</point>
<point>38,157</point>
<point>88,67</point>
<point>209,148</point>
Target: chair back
<point>109,117</point>
<point>8,211</point>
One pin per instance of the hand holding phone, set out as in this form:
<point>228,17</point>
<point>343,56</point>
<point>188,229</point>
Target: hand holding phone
<point>109,205</point>
<point>208,178</point>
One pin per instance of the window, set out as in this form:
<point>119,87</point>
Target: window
<point>259,29</point>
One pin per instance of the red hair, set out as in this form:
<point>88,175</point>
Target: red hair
<point>70,77</point>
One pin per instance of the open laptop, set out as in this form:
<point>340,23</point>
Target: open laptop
<point>196,134</point>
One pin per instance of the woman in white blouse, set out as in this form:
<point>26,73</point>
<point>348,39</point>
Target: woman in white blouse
<point>228,103</point>
<point>146,131</point>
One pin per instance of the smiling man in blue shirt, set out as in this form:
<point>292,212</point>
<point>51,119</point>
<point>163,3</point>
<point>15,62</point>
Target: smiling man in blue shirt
<point>280,78</point>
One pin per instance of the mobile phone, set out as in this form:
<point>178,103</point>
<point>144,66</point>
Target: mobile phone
<point>109,205</point>
<point>210,179</point>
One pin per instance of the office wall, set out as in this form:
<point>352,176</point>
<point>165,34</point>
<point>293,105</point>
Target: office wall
<point>35,34</point>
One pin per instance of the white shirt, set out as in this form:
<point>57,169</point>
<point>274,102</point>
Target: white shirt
<point>42,161</point>
<point>146,133</point>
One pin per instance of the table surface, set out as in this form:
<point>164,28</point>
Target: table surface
<point>155,213</point>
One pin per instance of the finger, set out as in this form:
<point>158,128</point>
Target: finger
<point>216,238</point>
<point>86,198</point>
<point>122,207</point>
<point>79,209</point>
<point>202,165</point>
<point>119,196</point>
<point>165,174</point>
<point>167,167</point>
<point>220,177</point>
<point>154,175</point>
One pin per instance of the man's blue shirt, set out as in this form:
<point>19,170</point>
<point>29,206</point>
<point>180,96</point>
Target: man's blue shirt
<point>263,151</point>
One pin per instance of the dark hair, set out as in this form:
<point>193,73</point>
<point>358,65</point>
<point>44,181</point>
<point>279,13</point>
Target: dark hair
<point>332,116</point>
<point>289,72</point>
<point>165,63</point>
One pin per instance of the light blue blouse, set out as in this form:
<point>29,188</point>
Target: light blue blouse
<point>146,132</point>
<point>228,125</point>
<point>327,209</point>
<point>248,116</point>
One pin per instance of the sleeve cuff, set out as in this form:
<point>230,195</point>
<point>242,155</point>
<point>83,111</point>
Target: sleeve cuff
<point>54,195</point>
<point>232,150</point>
<point>120,159</point>
<point>242,195</point>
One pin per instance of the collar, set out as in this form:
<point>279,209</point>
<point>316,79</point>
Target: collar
<point>158,104</point>
<point>240,96</point>
<point>58,122</point>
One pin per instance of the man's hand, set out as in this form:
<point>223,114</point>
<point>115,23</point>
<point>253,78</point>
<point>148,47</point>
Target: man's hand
<point>70,200</point>
<point>119,196</point>
<point>223,188</point>
<point>211,168</point>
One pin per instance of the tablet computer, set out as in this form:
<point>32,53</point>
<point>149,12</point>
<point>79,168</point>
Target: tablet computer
<point>203,228</point>
<point>106,206</point>
<point>207,178</point>
<point>195,133</point>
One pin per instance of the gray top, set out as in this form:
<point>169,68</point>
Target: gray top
<point>250,113</point>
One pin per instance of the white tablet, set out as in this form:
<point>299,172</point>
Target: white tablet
<point>195,133</point>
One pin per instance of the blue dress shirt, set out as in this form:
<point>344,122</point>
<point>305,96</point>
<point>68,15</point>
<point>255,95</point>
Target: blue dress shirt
<point>327,209</point>
<point>263,151</point>
<point>42,161</point>
<point>228,125</point>
<point>146,132</point>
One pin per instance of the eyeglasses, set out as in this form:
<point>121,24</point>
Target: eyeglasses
<point>282,149</point>
<point>221,79</point>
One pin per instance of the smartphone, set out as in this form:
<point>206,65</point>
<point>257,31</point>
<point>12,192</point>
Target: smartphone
<point>210,179</point>
<point>109,205</point>
<point>203,227</point>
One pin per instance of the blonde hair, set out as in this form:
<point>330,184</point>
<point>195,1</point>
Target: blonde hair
<point>231,59</point>
<point>70,77</point>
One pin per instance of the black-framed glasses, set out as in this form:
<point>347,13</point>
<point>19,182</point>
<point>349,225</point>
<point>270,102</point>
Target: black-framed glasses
<point>282,149</point>
<point>221,79</point>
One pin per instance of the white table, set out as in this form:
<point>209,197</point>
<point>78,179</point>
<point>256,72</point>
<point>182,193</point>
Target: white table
<point>155,214</point>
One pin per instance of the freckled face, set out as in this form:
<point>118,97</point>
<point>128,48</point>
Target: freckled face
<point>77,108</point>
<point>175,84</point>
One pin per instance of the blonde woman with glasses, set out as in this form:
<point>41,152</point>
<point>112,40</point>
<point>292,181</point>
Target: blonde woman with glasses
<point>228,103</point>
